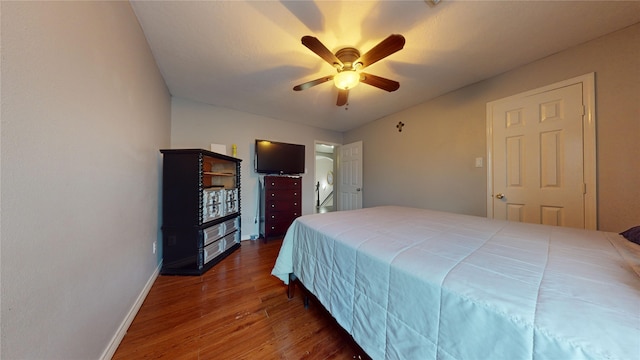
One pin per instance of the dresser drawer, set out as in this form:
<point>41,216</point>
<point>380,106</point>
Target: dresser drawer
<point>212,234</point>
<point>285,194</point>
<point>282,182</point>
<point>281,216</point>
<point>276,229</point>
<point>291,206</point>
<point>211,251</point>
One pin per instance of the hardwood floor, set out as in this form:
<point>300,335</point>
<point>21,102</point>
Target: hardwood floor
<point>236,310</point>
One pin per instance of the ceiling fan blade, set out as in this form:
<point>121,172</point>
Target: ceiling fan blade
<point>379,82</point>
<point>311,83</point>
<point>385,48</point>
<point>343,96</point>
<point>317,47</point>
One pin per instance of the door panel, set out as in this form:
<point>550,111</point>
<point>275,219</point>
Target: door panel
<point>350,175</point>
<point>538,157</point>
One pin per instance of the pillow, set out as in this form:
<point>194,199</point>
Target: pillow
<point>632,234</point>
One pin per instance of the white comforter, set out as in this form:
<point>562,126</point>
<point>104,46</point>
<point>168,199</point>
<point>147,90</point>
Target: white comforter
<point>419,284</point>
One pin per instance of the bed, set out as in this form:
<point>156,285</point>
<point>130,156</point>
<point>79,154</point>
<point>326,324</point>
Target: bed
<point>420,284</point>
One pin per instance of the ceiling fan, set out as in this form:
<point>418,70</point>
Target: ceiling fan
<point>349,65</point>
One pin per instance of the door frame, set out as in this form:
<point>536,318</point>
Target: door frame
<point>588,143</point>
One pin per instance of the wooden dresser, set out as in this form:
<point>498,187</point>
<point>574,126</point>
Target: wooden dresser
<point>280,204</point>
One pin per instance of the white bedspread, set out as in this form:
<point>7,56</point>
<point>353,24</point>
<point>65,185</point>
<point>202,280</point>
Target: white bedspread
<point>419,284</point>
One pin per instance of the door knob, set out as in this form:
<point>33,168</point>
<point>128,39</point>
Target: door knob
<point>499,196</point>
<point>358,189</point>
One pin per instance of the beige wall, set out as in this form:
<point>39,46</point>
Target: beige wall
<point>84,112</point>
<point>430,164</point>
<point>198,125</point>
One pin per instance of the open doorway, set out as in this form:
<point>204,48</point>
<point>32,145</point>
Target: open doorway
<point>325,171</point>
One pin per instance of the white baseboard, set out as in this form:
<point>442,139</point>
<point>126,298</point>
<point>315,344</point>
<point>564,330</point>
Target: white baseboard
<point>124,326</point>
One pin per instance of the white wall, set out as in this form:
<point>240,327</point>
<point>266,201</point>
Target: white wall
<point>430,164</point>
<point>84,112</point>
<point>197,125</point>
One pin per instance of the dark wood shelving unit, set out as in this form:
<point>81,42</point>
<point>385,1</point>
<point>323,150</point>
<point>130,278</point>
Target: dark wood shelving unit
<point>200,209</point>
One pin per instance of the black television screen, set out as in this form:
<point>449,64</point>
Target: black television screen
<point>279,158</point>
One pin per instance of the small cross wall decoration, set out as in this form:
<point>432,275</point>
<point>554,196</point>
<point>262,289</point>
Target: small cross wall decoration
<point>399,126</point>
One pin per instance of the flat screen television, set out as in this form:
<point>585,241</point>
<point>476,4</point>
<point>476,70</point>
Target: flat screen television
<point>279,158</point>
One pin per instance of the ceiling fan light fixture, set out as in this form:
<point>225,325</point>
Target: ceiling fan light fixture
<point>346,79</point>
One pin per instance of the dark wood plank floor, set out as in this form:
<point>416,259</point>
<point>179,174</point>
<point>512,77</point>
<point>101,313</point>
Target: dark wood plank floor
<point>236,310</point>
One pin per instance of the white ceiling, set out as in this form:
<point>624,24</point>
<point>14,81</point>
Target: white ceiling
<point>248,55</point>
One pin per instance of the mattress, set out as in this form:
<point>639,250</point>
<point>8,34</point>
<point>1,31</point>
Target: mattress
<point>420,284</point>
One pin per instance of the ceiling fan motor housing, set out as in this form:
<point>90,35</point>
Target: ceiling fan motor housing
<point>347,56</point>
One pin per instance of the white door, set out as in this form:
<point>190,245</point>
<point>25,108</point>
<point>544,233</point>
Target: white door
<point>538,158</point>
<point>350,176</point>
